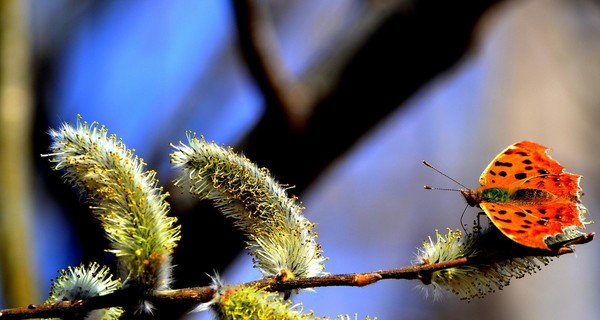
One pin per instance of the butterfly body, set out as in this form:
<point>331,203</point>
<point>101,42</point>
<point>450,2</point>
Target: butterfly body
<point>499,195</point>
<point>529,197</point>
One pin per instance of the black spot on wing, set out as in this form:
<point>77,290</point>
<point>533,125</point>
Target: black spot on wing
<point>543,221</point>
<point>521,214</point>
<point>503,164</point>
<point>521,175</point>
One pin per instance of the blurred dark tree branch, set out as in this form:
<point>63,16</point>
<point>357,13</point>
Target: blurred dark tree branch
<point>390,51</point>
<point>297,97</point>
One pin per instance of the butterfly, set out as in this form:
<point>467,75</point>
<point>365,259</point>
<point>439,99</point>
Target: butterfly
<point>530,198</point>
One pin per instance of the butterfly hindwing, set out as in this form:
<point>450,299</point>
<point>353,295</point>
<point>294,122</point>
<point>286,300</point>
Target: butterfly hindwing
<point>530,225</point>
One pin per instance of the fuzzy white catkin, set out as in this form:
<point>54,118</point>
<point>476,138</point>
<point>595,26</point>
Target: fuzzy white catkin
<point>474,280</point>
<point>279,236</point>
<point>248,302</point>
<point>83,282</point>
<point>124,197</point>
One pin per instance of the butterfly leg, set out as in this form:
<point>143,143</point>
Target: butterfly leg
<point>477,228</point>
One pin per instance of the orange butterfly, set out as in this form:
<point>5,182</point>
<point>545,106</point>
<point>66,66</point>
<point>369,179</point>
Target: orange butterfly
<point>530,198</point>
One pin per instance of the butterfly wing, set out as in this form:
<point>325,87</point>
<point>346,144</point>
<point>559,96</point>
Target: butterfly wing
<point>517,163</point>
<point>536,225</point>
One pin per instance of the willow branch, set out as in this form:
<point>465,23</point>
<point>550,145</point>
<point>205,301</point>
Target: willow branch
<point>197,295</point>
<point>205,294</point>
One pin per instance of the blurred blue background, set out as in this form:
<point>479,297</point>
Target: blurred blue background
<point>451,83</point>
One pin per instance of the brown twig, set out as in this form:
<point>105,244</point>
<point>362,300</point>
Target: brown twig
<point>191,296</point>
<point>205,294</point>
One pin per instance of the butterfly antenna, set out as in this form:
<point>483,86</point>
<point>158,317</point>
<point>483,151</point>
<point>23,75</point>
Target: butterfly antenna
<point>426,187</point>
<point>445,175</point>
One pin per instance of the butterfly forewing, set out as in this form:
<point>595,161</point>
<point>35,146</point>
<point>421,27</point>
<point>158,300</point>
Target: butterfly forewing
<point>517,163</point>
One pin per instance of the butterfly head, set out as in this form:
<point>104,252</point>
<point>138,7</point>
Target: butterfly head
<point>471,196</point>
